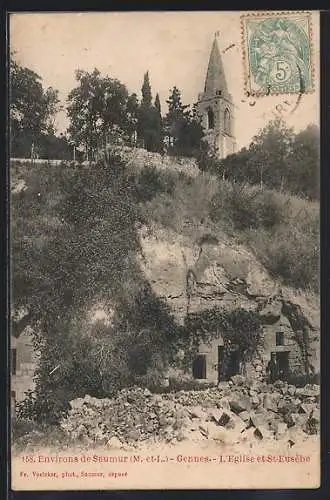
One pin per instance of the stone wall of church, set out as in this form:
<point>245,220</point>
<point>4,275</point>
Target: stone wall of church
<point>221,135</point>
<point>257,367</point>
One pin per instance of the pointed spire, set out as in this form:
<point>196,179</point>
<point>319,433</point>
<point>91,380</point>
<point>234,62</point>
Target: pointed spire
<point>215,77</point>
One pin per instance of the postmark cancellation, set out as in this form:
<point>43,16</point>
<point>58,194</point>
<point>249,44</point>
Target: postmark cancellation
<point>277,52</point>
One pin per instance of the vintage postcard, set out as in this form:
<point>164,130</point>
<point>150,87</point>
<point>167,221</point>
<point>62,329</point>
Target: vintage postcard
<point>164,195</point>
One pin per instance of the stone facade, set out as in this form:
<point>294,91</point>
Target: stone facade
<point>277,339</point>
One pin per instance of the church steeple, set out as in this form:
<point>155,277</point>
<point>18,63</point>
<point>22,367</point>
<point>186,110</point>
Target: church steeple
<point>216,108</point>
<point>215,77</point>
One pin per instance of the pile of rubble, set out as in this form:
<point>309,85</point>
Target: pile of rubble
<point>235,411</point>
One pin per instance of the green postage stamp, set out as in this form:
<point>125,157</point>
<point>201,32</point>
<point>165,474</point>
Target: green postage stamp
<point>277,53</point>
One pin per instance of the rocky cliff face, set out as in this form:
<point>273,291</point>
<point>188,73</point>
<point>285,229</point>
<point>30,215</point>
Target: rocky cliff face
<point>219,274</point>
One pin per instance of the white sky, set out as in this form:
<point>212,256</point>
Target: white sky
<point>173,46</point>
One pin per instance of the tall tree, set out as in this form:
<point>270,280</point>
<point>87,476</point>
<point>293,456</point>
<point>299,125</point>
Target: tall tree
<point>270,150</point>
<point>276,158</point>
<point>133,117</point>
<point>100,110</point>
<point>182,126</point>
<point>146,92</point>
<point>176,116</point>
<point>157,105</point>
<point>159,130</point>
<point>304,162</point>
<point>32,108</point>
<point>150,121</point>
<point>73,235</point>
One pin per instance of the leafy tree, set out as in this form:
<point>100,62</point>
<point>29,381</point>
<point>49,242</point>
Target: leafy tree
<point>304,161</point>
<point>269,152</point>
<point>133,116</point>
<point>99,109</point>
<point>61,235</point>
<point>32,109</point>
<point>191,137</point>
<point>276,158</point>
<point>238,167</point>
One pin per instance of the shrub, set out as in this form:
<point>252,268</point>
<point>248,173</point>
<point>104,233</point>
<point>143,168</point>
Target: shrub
<point>39,407</point>
<point>292,251</point>
<point>282,230</point>
<point>153,380</point>
<point>271,209</point>
<point>151,181</point>
<point>243,207</point>
<point>30,436</point>
<point>21,427</point>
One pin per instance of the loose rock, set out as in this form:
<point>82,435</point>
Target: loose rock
<point>221,413</point>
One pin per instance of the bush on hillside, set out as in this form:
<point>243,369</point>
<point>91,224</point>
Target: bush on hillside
<point>284,241</point>
<point>292,252</point>
<point>151,181</point>
<point>244,207</point>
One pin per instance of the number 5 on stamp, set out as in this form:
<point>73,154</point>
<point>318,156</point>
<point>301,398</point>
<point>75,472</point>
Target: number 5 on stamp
<point>277,52</point>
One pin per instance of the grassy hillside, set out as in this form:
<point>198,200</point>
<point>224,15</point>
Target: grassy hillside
<point>282,230</point>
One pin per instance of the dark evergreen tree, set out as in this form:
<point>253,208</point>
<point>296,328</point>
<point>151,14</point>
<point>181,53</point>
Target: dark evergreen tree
<point>157,105</point>
<point>159,131</point>
<point>146,92</point>
<point>150,134</point>
<point>182,126</point>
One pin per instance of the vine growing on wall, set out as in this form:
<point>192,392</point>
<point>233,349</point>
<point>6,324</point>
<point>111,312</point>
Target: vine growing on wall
<point>302,328</point>
<point>239,329</point>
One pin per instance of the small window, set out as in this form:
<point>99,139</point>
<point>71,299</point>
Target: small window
<point>13,395</point>
<point>13,361</point>
<point>227,124</point>
<point>210,119</point>
<point>199,366</point>
<point>218,92</point>
<point>279,338</point>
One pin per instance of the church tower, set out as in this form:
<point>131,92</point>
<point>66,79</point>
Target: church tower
<point>215,107</point>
